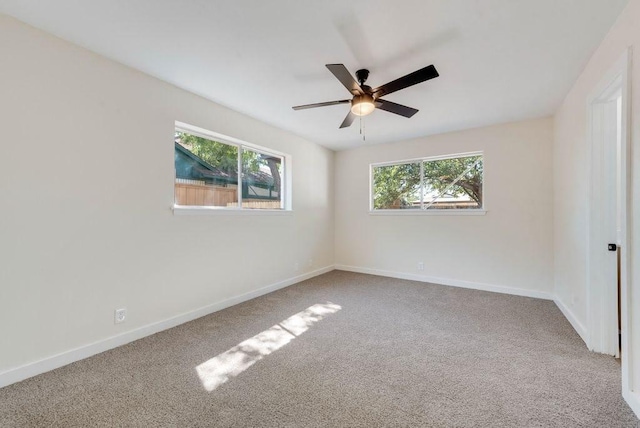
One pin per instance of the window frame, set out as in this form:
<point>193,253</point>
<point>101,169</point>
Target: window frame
<point>286,185</point>
<point>421,210</point>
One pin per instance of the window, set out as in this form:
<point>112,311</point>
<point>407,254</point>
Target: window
<point>443,183</point>
<point>220,172</point>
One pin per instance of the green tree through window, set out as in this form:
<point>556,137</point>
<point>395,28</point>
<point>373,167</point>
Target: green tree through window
<point>224,156</point>
<point>218,164</point>
<point>456,179</point>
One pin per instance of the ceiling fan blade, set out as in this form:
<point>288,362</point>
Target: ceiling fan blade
<point>348,120</point>
<point>328,103</point>
<point>410,79</point>
<point>343,75</point>
<point>395,108</point>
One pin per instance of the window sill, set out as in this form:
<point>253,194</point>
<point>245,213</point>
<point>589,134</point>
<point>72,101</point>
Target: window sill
<point>187,210</point>
<point>429,212</point>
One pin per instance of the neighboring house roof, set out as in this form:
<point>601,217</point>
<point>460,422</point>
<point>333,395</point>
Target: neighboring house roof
<point>192,167</point>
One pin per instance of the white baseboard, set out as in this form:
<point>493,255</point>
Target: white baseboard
<point>451,282</point>
<point>577,325</point>
<point>47,364</point>
<point>35,368</point>
<point>633,400</point>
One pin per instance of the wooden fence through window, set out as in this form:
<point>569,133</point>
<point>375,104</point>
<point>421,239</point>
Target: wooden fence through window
<point>203,195</point>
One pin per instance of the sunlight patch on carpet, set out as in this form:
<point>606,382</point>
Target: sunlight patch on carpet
<point>218,370</point>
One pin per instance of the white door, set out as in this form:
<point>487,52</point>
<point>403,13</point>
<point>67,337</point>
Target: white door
<point>605,221</point>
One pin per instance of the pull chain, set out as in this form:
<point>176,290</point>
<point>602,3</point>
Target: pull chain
<point>362,129</point>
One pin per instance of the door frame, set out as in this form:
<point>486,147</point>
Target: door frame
<point>600,303</point>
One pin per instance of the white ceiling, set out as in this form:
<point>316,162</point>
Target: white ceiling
<point>499,60</point>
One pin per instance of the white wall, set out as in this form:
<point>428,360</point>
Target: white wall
<point>510,246</point>
<point>570,173</point>
<point>86,185</point>
<point>570,163</point>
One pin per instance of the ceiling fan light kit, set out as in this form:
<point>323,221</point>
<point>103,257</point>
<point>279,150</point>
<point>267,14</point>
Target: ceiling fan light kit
<point>362,105</point>
<point>365,99</point>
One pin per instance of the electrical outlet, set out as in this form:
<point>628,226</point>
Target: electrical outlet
<point>296,267</point>
<point>120,315</point>
<point>420,265</point>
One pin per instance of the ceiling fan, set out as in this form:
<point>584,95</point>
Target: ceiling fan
<point>365,99</point>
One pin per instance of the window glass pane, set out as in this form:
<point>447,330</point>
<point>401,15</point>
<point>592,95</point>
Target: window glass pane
<point>261,180</point>
<point>453,183</point>
<point>396,186</point>
<point>206,172</point>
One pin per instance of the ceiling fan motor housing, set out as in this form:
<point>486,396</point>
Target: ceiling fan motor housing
<point>362,75</point>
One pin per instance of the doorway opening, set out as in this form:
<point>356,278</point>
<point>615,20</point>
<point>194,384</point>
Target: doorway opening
<point>608,255</point>
<point>606,211</point>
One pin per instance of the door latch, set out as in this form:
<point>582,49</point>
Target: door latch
<point>612,247</point>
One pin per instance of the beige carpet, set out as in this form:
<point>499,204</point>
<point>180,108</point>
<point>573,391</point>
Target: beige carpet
<point>342,349</point>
